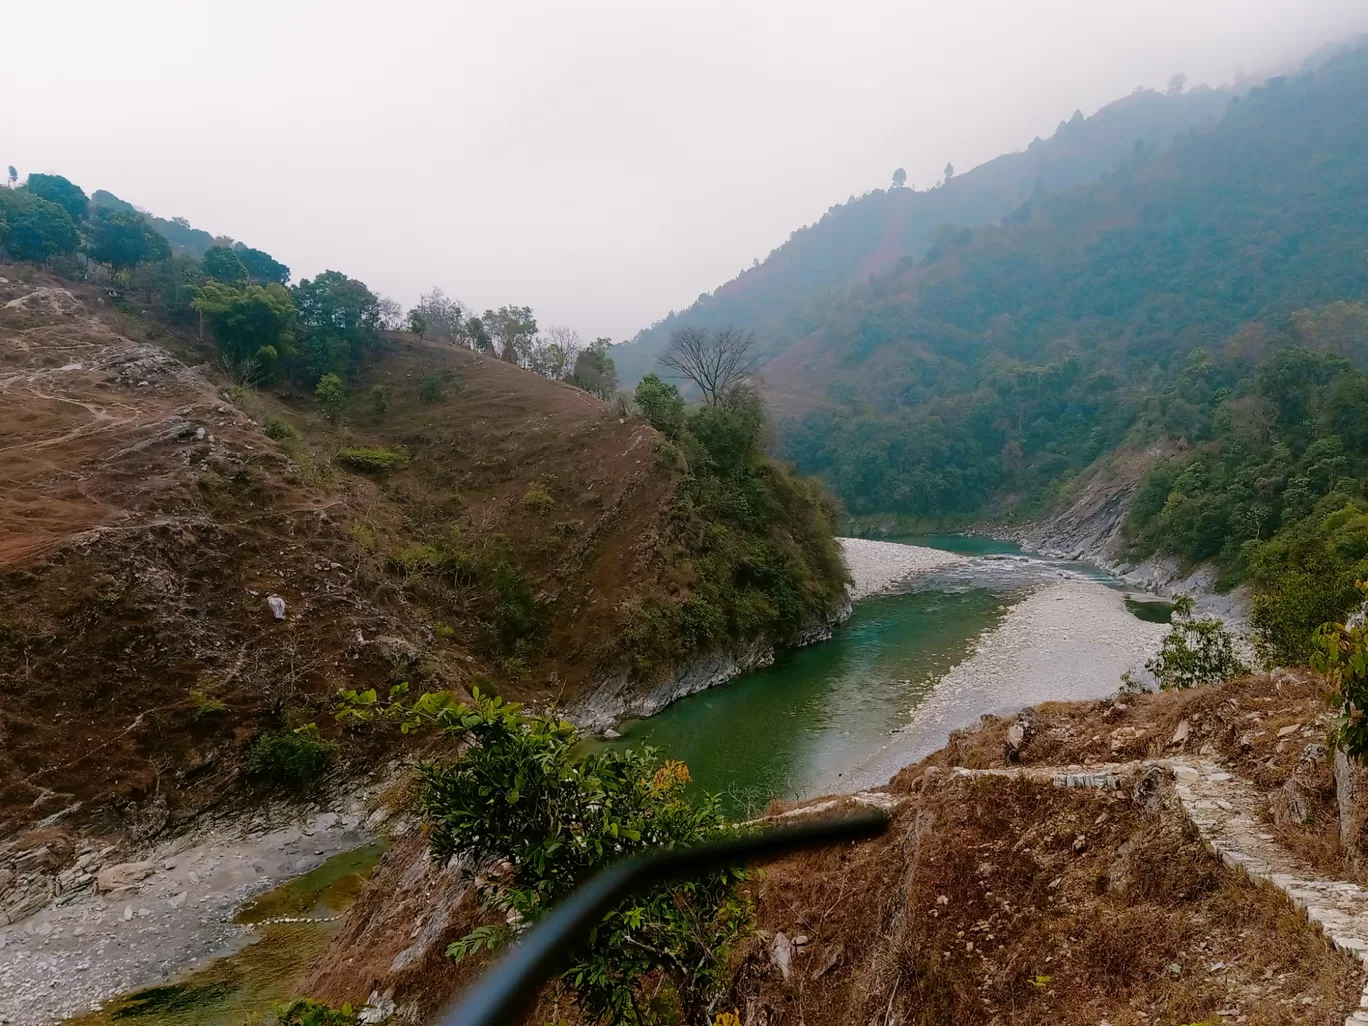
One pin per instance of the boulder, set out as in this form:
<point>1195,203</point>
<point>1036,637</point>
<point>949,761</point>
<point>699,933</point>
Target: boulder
<point>781,954</point>
<point>125,874</point>
<point>1299,792</point>
<point>277,605</point>
<point>1351,789</point>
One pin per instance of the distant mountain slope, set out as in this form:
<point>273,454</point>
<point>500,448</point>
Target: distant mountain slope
<point>869,235</point>
<point>1020,352</point>
<point>177,232</point>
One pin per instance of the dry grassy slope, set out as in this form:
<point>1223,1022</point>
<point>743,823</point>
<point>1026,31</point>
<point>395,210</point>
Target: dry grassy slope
<point>1081,906</point>
<point>136,553</point>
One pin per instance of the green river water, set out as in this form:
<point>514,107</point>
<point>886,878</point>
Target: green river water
<point>796,728</point>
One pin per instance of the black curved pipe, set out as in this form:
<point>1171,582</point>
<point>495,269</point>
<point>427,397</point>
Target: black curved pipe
<point>506,989</point>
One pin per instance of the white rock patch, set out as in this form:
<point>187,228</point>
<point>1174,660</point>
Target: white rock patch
<point>879,566</point>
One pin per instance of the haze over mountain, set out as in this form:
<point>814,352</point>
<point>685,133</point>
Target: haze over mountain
<point>602,163</point>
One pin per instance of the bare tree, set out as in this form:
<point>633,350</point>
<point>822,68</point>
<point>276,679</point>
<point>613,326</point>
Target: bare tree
<point>716,362</point>
<point>555,353</point>
<point>391,314</point>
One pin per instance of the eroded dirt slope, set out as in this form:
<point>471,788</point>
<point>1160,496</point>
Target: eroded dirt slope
<point>145,519</point>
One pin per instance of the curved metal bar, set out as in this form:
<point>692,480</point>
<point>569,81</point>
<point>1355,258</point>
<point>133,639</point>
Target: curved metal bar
<point>508,987</point>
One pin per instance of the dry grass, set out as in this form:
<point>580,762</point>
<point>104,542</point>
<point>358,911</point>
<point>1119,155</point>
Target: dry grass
<point>1002,901</point>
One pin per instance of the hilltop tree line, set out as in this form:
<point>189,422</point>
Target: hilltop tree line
<point>264,327</point>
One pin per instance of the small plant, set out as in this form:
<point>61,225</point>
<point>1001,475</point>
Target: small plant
<point>1194,651</point>
<point>379,401</point>
<point>374,459</point>
<point>279,430</point>
<point>431,388</point>
<point>426,560</point>
<point>539,501</point>
<point>444,630</point>
<point>331,394</point>
<point>293,758</point>
<point>304,1012</point>
<point>1340,652</point>
<point>364,535</point>
<point>206,707</point>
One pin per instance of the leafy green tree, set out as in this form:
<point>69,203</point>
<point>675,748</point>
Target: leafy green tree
<point>222,264</point>
<point>1340,652</point>
<point>478,334</point>
<point>13,175</point>
<point>253,325</point>
<point>595,371</point>
<point>124,240</point>
<point>261,266</point>
<point>339,324</point>
<point>38,229</point>
<point>514,329</point>
<point>1195,651</point>
<point>521,792</point>
<point>59,190</point>
<point>331,394</point>
<point>418,323</point>
<point>662,405</point>
<point>899,178</point>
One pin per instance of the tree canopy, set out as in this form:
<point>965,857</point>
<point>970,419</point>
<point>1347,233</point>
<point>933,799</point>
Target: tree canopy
<point>124,240</point>
<point>59,190</point>
<point>32,228</point>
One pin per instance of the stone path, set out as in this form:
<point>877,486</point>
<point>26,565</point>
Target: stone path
<point>1224,809</point>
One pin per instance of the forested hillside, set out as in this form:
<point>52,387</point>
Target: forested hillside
<point>1210,294</point>
<point>781,298</point>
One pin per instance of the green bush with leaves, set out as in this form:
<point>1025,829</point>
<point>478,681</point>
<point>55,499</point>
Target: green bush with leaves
<point>1340,651</point>
<point>375,459</point>
<point>305,1012</point>
<point>521,793</point>
<point>431,388</point>
<point>293,758</point>
<point>425,559</point>
<point>661,404</point>
<point>279,430</point>
<point>331,394</point>
<point>1196,651</point>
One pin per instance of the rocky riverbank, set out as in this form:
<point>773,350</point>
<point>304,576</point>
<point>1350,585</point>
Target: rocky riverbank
<point>1068,640</point>
<point>877,567</point>
<point>133,917</point>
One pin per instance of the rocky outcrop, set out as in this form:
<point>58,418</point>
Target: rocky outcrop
<point>619,698</point>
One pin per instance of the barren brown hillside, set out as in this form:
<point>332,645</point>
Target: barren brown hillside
<point>145,518</point>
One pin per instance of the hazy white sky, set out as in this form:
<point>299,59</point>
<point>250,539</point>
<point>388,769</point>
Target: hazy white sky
<point>602,161</point>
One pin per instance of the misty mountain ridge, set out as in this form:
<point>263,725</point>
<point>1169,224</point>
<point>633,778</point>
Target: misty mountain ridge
<point>869,235</point>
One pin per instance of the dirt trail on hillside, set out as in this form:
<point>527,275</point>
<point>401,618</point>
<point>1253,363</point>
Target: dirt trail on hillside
<point>79,404</point>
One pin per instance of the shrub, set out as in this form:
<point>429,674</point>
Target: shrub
<point>538,500</point>
<point>428,560</point>
<point>1340,651</point>
<point>431,388</point>
<point>516,617</point>
<point>330,394</point>
<point>379,401</point>
<point>374,459</point>
<point>1194,651</point>
<point>364,535</point>
<point>293,758</point>
<point>521,792</point>
<point>279,430</point>
<point>304,1012</point>
<point>661,404</point>
<point>207,707</point>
